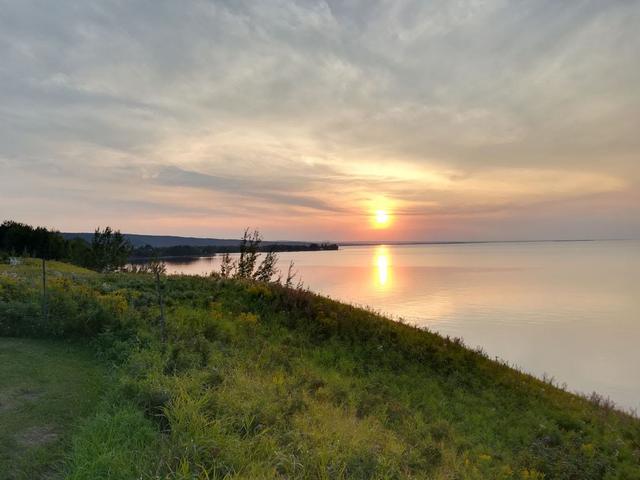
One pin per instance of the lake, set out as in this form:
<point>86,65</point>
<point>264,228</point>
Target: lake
<point>568,310</point>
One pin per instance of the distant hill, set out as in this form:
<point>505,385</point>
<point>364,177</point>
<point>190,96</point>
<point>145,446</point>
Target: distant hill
<point>173,241</point>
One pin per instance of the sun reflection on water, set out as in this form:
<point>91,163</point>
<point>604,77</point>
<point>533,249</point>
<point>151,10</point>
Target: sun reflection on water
<point>382,260</point>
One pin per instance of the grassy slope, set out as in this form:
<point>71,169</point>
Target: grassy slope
<point>31,267</point>
<point>259,381</point>
<point>46,387</point>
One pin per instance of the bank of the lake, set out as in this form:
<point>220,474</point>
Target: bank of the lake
<point>255,380</point>
<point>568,310</point>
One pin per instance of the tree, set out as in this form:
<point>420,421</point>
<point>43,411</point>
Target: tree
<point>109,250</point>
<point>291,274</point>
<point>227,266</point>
<point>248,254</point>
<point>15,237</point>
<point>79,252</point>
<point>247,264</point>
<point>267,268</point>
<point>19,238</point>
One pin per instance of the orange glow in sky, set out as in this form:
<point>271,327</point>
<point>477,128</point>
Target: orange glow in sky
<point>333,146</point>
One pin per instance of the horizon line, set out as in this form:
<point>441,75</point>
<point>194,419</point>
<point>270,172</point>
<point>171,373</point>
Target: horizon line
<point>363,243</point>
<point>349,243</point>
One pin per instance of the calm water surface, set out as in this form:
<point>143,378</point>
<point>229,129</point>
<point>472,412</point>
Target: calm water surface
<point>570,310</point>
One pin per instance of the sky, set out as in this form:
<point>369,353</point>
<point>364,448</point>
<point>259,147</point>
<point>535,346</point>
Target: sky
<point>461,120</point>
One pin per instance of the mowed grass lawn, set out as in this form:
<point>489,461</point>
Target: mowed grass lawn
<point>46,389</point>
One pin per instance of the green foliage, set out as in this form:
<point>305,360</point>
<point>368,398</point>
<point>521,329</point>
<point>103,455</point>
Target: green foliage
<point>109,250</point>
<point>117,443</point>
<point>74,309</point>
<point>227,266</point>
<point>247,266</point>
<point>248,254</point>
<point>79,252</point>
<point>21,239</point>
<point>257,380</point>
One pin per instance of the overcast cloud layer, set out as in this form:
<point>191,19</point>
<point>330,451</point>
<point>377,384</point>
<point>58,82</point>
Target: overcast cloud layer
<point>466,119</point>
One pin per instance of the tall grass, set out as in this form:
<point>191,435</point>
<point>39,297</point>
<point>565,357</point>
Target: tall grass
<point>117,443</point>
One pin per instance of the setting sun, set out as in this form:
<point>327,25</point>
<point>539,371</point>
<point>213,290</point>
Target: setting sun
<point>382,218</point>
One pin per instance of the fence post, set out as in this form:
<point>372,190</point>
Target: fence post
<point>161,304</point>
<point>45,306</point>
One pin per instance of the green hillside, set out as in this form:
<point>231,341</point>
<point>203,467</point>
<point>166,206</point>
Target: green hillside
<point>255,380</point>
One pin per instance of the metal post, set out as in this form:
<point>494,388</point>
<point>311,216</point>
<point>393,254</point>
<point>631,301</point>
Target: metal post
<point>45,306</point>
<point>161,304</point>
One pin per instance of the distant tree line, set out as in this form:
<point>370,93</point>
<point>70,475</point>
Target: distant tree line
<point>147,251</point>
<point>107,251</point>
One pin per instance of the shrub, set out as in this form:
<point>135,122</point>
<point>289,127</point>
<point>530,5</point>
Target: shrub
<point>78,310</point>
<point>20,319</point>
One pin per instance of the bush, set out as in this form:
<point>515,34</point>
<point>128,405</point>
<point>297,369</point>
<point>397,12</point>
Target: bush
<point>73,310</point>
<point>77,310</point>
<point>21,319</point>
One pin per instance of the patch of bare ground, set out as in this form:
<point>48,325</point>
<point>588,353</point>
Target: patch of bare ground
<point>36,436</point>
<point>7,401</point>
<point>5,405</point>
<point>12,399</point>
<point>29,394</point>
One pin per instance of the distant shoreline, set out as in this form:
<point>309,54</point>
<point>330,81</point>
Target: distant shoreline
<point>467,242</point>
<point>304,248</point>
<point>166,241</point>
<point>140,254</point>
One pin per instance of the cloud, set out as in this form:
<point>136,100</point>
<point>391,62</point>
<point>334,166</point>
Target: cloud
<point>277,113</point>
